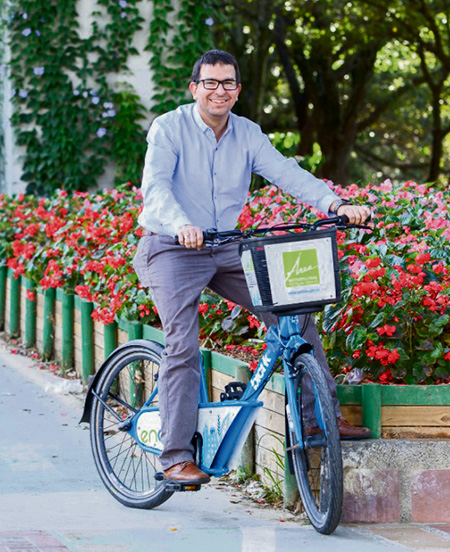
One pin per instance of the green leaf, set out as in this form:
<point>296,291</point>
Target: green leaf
<point>437,325</point>
<point>356,339</point>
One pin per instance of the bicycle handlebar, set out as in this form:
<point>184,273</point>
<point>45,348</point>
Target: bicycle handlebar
<point>213,237</point>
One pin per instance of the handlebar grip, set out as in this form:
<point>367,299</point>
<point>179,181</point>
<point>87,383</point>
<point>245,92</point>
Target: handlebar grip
<point>345,220</point>
<point>206,236</point>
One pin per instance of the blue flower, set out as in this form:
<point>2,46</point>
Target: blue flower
<point>38,71</point>
<point>209,21</point>
<point>108,105</point>
<point>76,92</point>
<point>123,15</point>
<point>23,93</point>
<point>85,94</point>
<point>111,113</point>
<point>27,31</point>
<point>101,132</point>
<point>123,3</point>
<point>95,100</point>
<point>38,33</point>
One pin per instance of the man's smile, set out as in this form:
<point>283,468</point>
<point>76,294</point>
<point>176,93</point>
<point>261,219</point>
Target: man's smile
<point>215,104</point>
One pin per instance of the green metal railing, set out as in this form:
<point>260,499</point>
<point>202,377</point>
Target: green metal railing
<point>14,304</point>
<point>30,314</point>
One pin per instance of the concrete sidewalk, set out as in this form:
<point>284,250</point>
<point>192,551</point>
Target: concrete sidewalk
<point>53,500</point>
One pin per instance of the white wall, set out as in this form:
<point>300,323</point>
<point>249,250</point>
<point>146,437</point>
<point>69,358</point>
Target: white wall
<point>139,77</point>
<point>12,153</point>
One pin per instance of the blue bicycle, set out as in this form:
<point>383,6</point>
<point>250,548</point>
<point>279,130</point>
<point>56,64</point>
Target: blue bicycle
<point>289,274</point>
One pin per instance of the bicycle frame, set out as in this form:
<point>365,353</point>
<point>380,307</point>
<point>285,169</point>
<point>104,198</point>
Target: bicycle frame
<point>224,426</point>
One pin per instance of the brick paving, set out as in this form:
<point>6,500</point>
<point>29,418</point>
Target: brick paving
<point>418,538</point>
<point>30,541</point>
<point>430,496</point>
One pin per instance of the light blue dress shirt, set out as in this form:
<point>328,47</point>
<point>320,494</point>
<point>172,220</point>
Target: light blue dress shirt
<point>190,178</point>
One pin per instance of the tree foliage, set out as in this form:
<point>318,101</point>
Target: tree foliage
<point>367,80</point>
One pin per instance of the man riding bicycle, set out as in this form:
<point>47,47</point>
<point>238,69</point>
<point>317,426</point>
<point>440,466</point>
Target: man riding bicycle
<point>197,174</point>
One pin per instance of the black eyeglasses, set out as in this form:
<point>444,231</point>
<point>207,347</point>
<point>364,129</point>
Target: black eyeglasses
<point>213,84</point>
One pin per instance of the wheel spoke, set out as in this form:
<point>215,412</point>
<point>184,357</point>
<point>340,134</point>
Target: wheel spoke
<point>317,461</point>
<point>122,402</point>
<point>127,470</point>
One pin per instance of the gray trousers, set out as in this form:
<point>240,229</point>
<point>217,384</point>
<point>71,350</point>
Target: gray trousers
<point>176,277</point>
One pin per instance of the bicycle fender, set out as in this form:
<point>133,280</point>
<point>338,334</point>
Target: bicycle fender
<point>85,418</point>
<point>296,346</point>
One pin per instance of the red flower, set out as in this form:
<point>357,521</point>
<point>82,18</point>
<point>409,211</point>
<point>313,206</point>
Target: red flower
<point>254,322</point>
<point>83,292</point>
<point>423,258</point>
<point>388,330</point>
<point>253,365</point>
<point>31,296</point>
<point>373,263</point>
<point>386,376</point>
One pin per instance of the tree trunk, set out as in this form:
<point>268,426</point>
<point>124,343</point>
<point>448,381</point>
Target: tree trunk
<point>336,162</point>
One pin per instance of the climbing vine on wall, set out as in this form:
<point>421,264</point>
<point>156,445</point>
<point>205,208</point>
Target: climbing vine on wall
<point>177,39</point>
<point>2,75</point>
<point>69,118</point>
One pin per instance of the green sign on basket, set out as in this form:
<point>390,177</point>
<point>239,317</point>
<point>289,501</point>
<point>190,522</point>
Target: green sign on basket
<point>301,268</point>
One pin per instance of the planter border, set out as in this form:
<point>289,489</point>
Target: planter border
<point>413,395</point>
<point>3,277</point>
<point>14,303</point>
<point>30,314</point>
<point>371,397</point>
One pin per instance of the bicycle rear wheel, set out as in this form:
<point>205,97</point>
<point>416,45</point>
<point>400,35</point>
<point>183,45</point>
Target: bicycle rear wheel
<point>316,453</point>
<point>127,470</point>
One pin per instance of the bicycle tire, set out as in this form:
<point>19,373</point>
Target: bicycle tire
<point>126,470</point>
<point>317,458</point>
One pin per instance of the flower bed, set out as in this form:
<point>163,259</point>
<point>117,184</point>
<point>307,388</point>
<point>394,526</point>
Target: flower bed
<point>393,322</point>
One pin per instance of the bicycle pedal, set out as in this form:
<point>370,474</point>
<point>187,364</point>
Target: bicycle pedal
<point>177,487</point>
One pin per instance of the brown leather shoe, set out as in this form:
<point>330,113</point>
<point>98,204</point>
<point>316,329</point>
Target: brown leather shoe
<point>347,431</point>
<point>186,472</point>
<point>312,430</point>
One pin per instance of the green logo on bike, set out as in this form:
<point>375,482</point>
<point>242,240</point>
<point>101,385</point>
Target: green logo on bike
<point>301,268</point>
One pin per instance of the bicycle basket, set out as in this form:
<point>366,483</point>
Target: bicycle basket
<point>293,273</point>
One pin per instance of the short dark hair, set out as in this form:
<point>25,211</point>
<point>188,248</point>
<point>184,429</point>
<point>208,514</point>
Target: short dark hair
<point>214,57</point>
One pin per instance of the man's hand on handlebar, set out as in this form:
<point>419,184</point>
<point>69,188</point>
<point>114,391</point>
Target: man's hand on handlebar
<point>357,214</point>
<point>191,236</point>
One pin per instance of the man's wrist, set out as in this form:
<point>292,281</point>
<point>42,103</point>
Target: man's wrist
<point>334,207</point>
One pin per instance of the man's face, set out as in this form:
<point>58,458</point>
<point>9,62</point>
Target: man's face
<point>215,105</point>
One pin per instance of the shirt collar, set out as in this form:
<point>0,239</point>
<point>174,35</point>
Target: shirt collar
<point>203,126</point>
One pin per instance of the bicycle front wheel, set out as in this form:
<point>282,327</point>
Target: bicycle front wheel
<point>316,452</point>
<point>127,470</point>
